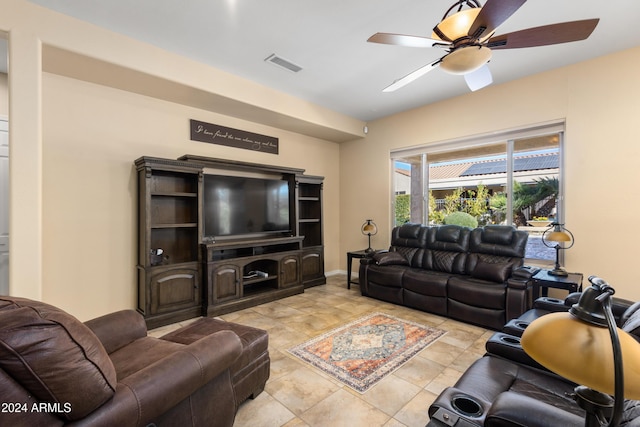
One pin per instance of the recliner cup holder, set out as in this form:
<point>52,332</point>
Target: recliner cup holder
<point>522,325</point>
<point>510,339</point>
<point>467,406</point>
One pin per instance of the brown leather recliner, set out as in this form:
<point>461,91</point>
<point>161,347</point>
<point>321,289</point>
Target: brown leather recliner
<point>56,370</point>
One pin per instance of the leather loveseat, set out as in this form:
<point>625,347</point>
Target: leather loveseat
<point>56,370</point>
<point>472,275</point>
<point>507,388</point>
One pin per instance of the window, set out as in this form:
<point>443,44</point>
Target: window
<point>510,178</point>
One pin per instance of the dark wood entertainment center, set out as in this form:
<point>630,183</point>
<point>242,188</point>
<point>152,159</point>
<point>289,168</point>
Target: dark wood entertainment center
<point>197,274</point>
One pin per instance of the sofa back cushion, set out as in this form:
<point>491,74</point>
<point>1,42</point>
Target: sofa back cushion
<point>501,240</point>
<point>447,247</point>
<point>631,319</point>
<point>410,241</point>
<point>495,251</point>
<point>55,357</point>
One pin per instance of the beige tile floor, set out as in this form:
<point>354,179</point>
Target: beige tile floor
<point>300,395</point>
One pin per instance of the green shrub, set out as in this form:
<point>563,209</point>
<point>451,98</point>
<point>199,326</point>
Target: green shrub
<point>403,209</point>
<point>461,218</point>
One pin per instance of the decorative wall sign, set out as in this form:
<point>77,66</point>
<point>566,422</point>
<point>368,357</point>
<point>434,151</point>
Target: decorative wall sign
<point>216,134</point>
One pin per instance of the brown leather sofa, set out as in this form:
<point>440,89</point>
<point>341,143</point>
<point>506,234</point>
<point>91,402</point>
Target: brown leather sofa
<point>56,370</point>
<point>453,271</point>
<point>507,388</point>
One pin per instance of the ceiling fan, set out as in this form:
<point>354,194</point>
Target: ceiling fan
<point>468,35</point>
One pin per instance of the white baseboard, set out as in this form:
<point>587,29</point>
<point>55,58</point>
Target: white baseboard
<point>354,276</point>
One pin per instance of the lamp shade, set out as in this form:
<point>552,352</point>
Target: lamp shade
<point>466,59</point>
<point>557,233</point>
<point>558,236</point>
<point>369,228</point>
<point>457,25</point>
<point>582,353</point>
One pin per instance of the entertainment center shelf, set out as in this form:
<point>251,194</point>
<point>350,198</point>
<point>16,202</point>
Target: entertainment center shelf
<point>245,273</point>
<point>205,254</point>
<point>244,248</point>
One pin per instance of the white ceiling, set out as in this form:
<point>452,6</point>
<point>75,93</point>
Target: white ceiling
<point>340,70</point>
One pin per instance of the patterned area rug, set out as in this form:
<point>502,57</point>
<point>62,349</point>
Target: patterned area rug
<point>361,353</point>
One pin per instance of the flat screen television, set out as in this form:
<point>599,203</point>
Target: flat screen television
<point>244,206</point>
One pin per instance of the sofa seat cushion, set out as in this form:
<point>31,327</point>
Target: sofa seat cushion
<point>54,356</point>
<point>496,375</point>
<point>426,282</point>
<point>477,292</point>
<point>388,275</point>
<point>490,377</point>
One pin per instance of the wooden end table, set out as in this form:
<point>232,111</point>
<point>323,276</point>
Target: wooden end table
<point>542,281</point>
<point>350,256</point>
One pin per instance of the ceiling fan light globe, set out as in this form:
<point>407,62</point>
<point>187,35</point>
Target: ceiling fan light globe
<point>465,60</point>
<point>457,25</point>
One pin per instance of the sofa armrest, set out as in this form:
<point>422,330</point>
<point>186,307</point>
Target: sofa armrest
<point>618,305</point>
<point>115,330</point>
<point>524,272</point>
<point>518,283</point>
<point>509,347</point>
<point>145,395</point>
<point>367,261</point>
<point>518,297</point>
<point>621,309</point>
<point>511,409</point>
<point>552,305</point>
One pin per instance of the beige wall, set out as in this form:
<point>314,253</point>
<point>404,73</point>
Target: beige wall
<point>73,143</point>
<point>92,134</point>
<point>599,101</point>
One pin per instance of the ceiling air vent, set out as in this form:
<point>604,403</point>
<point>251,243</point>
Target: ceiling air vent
<point>283,63</point>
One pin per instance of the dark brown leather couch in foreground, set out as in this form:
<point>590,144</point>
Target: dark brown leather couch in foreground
<point>465,274</point>
<point>56,370</point>
<point>506,388</point>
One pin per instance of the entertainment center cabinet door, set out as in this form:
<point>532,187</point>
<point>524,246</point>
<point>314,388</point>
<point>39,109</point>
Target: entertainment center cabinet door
<point>289,271</point>
<point>225,282</point>
<point>174,289</point>
<point>313,267</point>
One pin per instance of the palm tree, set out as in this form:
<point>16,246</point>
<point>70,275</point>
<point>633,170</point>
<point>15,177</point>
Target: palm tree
<point>527,196</point>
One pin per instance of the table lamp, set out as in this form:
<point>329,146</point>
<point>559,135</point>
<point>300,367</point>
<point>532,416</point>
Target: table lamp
<point>585,346</point>
<point>557,237</point>
<point>369,228</point>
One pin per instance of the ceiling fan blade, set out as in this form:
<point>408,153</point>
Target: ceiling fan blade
<point>492,14</point>
<point>412,76</point>
<point>546,35</point>
<point>479,78</point>
<point>404,40</point>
